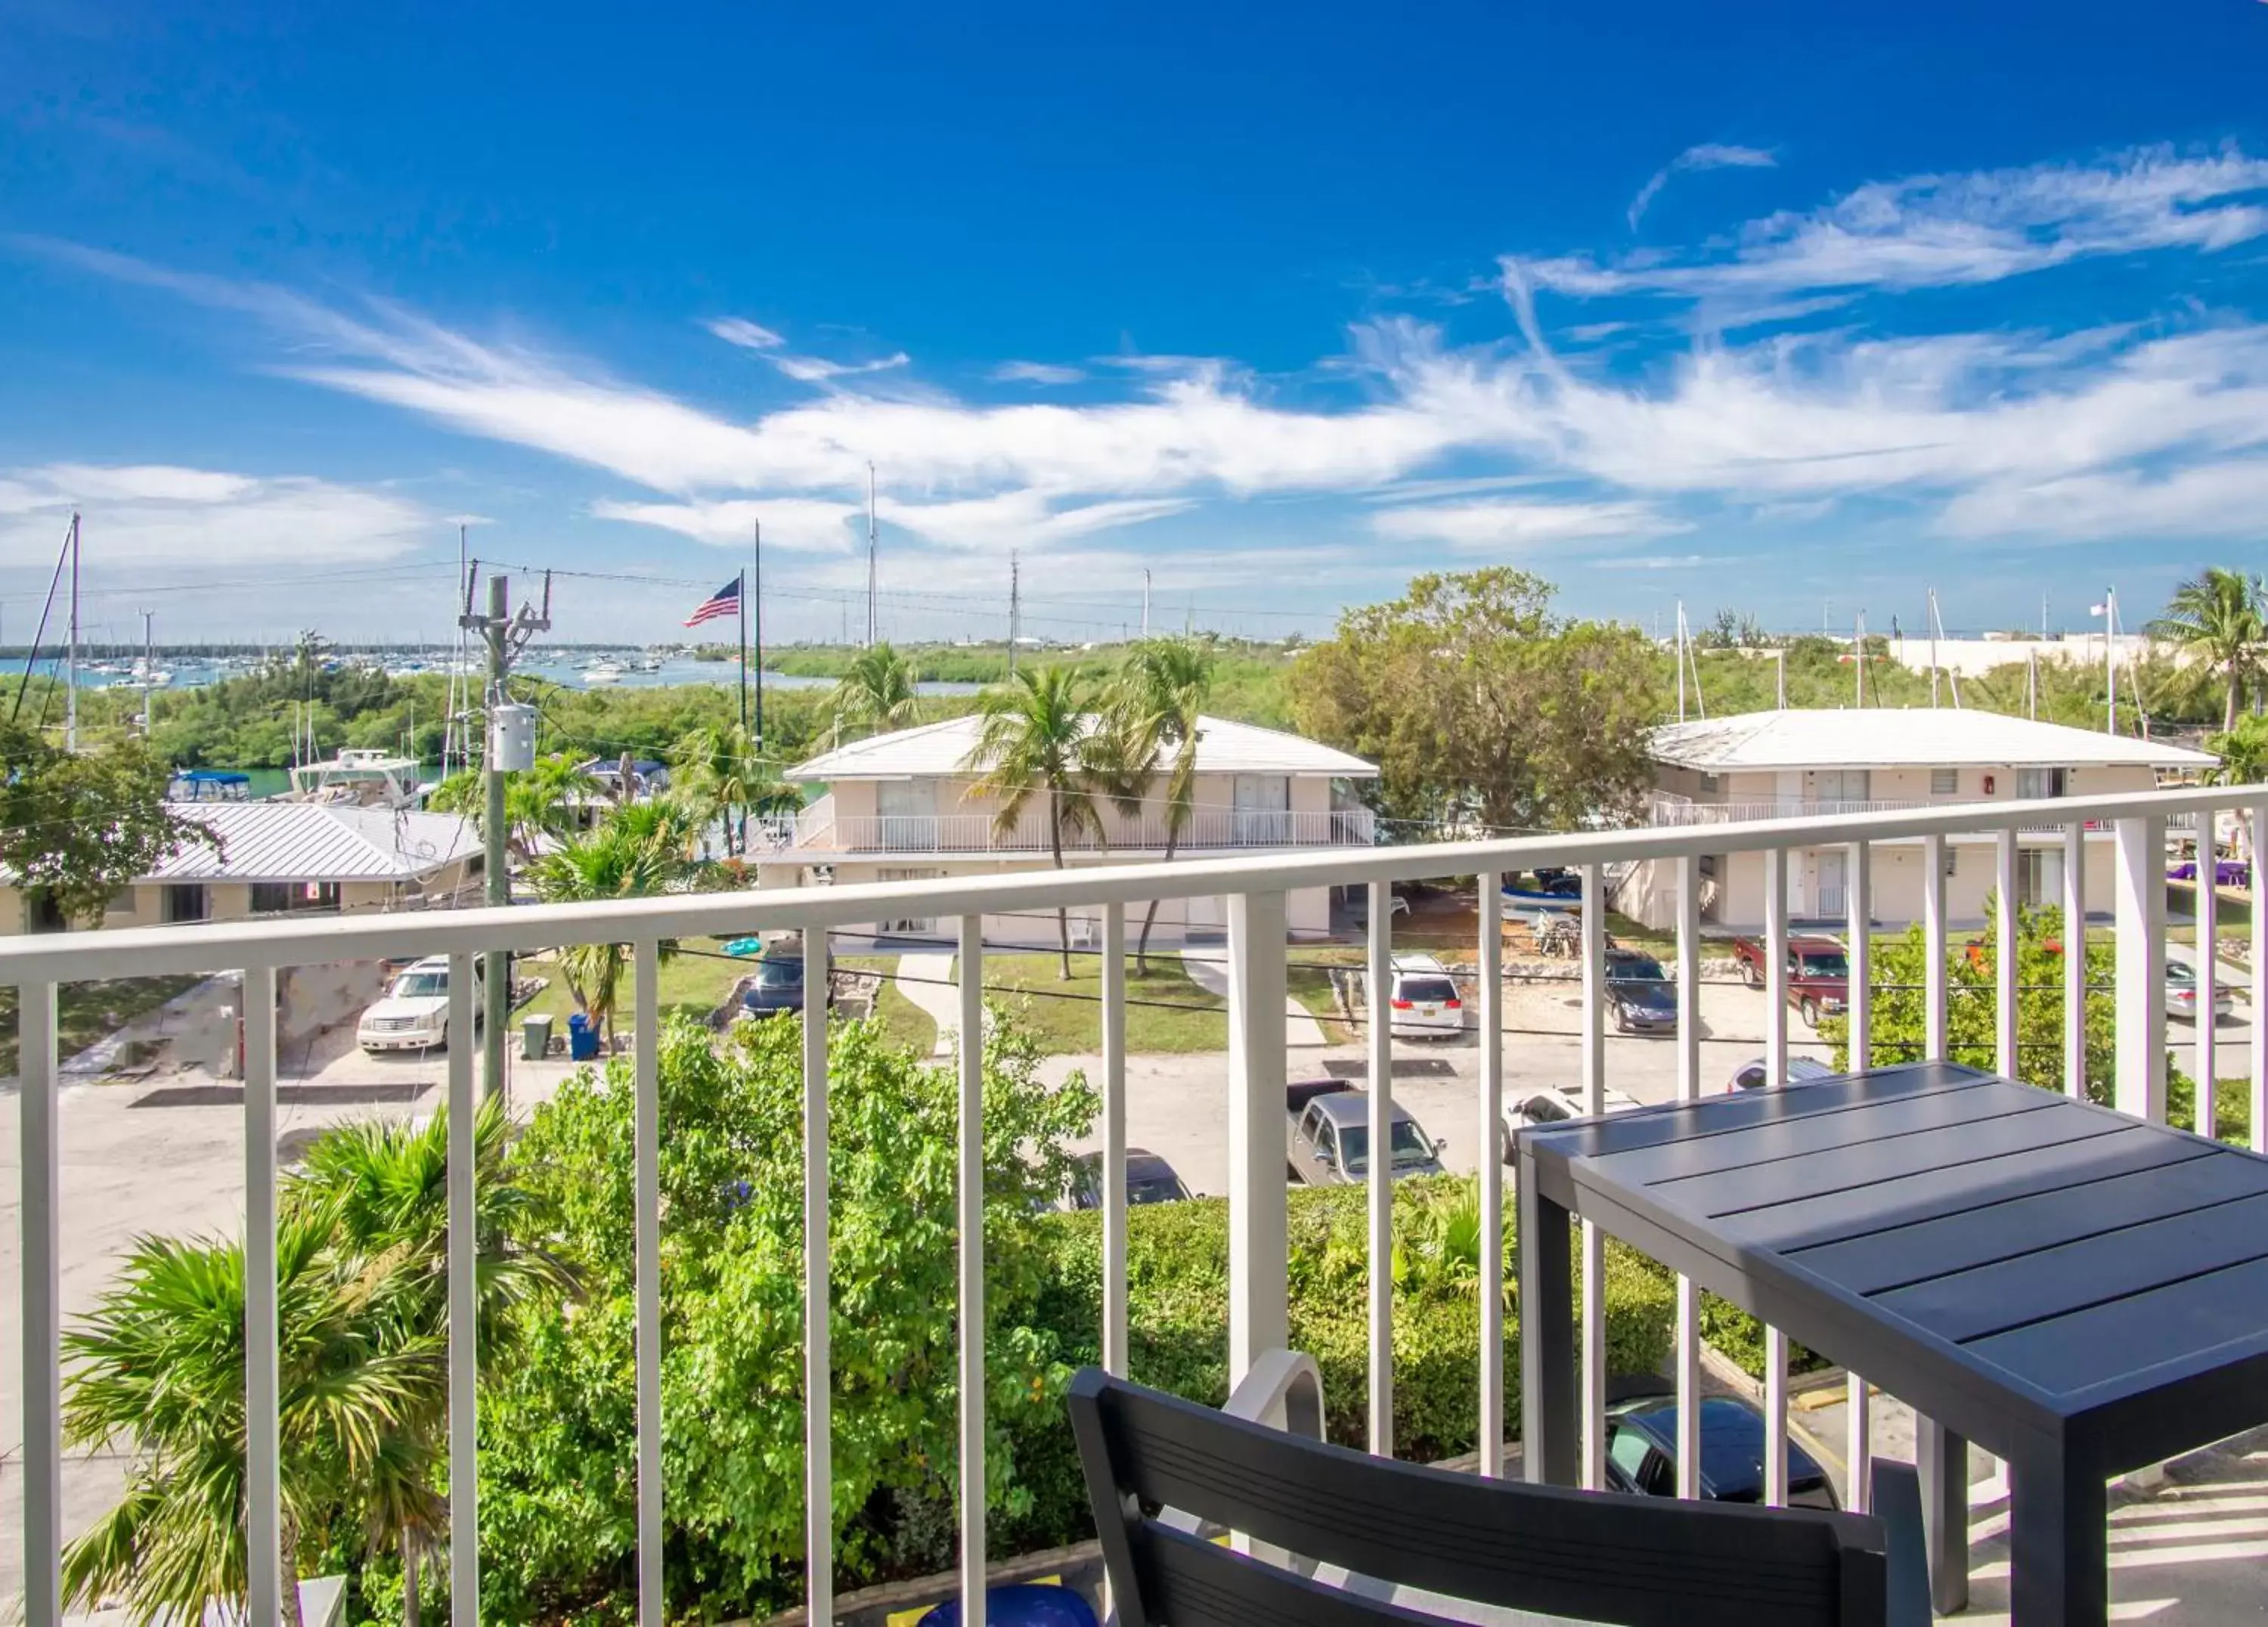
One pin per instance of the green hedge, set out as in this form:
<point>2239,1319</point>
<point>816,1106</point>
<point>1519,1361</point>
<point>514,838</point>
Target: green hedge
<point>1177,1321</point>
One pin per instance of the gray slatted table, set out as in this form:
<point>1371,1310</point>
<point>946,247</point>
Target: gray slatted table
<point>2076,1292</point>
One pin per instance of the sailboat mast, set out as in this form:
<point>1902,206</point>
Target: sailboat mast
<point>71,699</point>
<point>872,548</point>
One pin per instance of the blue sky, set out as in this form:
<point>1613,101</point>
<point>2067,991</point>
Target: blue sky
<point>1797,311</point>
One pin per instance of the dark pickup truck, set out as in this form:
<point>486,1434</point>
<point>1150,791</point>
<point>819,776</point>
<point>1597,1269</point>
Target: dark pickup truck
<point>1818,974</point>
<point>1326,1137</point>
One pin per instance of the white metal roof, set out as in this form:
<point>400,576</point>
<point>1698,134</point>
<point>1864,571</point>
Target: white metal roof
<point>1223,748</point>
<point>317,842</point>
<point>1872,738</point>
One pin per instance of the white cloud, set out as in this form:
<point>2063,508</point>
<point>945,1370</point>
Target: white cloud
<point>1945,231</point>
<point>2207,500</point>
<point>1513,524</point>
<point>1708,156</point>
<point>807,524</point>
<point>140,514</point>
<point>817,370</point>
<point>1036,372</point>
<point>1021,518</point>
<point>747,334</point>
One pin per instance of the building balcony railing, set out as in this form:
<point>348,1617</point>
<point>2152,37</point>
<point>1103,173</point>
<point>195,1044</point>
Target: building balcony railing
<point>1669,809</point>
<point>1254,886</point>
<point>820,829</point>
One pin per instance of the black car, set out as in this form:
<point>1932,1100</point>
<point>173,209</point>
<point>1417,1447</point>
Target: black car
<point>1639,993</point>
<point>1149,1180</point>
<point>777,987</point>
<point>1642,1453</point>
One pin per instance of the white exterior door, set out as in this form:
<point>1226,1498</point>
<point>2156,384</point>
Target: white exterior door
<point>906,926</point>
<point>1834,892</point>
<point>1264,809</point>
<point>908,815</point>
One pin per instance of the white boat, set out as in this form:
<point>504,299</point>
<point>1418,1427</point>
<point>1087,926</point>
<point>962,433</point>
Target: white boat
<point>604,674</point>
<point>361,775</point>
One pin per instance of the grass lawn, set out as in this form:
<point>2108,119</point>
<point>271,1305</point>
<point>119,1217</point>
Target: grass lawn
<point>695,980</point>
<point>86,1012</point>
<point>1165,1011</point>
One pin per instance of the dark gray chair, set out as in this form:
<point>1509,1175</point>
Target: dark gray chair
<point>1157,1465</point>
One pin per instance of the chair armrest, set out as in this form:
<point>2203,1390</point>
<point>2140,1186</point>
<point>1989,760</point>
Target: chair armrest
<point>1896,1500</point>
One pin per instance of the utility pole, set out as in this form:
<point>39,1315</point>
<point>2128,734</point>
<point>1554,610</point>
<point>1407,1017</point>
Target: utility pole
<point>507,634</point>
<point>1146,601</point>
<point>873,551</point>
<point>1015,607</point>
<point>71,699</point>
<point>149,666</point>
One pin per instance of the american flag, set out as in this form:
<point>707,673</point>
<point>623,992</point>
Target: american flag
<point>724,601</point>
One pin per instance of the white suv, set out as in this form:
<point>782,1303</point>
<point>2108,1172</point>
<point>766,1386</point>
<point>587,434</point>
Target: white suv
<point>414,1012</point>
<point>1423,1003</point>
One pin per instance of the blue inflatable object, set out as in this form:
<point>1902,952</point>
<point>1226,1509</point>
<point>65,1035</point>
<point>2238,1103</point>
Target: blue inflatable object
<point>1026,1604</point>
<point>745,946</point>
<point>582,1038</point>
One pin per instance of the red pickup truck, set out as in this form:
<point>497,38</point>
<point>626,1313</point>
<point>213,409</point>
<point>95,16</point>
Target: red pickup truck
<point>1818,973</point>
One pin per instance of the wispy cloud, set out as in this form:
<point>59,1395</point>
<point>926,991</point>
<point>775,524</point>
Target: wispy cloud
<point>1036,372</point>
<point>747,334</point>
<point>817,370</point>
<point>1944,231</point>
<point>162,514</point>
<point>1708,156</point>
<point>1510,523</point>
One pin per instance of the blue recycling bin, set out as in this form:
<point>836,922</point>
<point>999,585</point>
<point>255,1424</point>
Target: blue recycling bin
<point>1024,1604</point>
<point>582,1038</point>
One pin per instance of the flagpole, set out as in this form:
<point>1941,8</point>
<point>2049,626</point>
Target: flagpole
<point>760,635</point>
<point>740,596</point>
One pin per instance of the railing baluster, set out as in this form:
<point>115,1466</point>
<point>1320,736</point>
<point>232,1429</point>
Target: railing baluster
<point>2207,1069</point>
<point>1688,1089</point>
<point>41,1231</point>
<point>1259,1273</point>
<point>2006,913</point>
<point>646,1136</point>
<point>818,1361</point>
<point>266,1575</point>
<point>1858,1008</point>
<point>971,1316</point>
<point>1775,1078</point>
<point>2074,960</point>
<point>1932,927</point>
<point>1490,1145</point>
<point>2140,1086</point>
<point>1594,1240</point>
<point>1113,1139</point>
<point>2259,878</point>
<point>464,1305</point>
<point>1379,1195</point>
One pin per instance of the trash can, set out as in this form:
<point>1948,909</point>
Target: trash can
<point>582,1038</point>
<point>535,1037</point>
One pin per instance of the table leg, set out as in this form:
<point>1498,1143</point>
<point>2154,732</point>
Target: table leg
<point>1942,1457</point>
<point>1550,1429</point>
<point>2059,1545</point>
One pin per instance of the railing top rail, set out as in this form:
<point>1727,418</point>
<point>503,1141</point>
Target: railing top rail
<point>85,956</point>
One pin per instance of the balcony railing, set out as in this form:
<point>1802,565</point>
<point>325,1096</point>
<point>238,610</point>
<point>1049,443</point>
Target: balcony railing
<point>1667,808</point>
<point>821,828</point>
<point>1255,888</point>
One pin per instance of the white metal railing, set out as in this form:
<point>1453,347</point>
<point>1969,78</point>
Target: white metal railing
<point>1209,828</point>
<point>1667,808</point>
<point>1254,886</point>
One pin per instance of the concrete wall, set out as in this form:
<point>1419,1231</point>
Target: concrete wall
<point>143,903</point>
<point>955,796</point>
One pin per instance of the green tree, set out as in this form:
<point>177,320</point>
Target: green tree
<point>158,1370</point>
<point>76,827</point>
<point>538,802</point>
<point>2242,750</point>
<point>2217,616</point>
<point>1155,703</point>
<point>558,1497</point>
<point>1479,705</point>
<point>876,692</point>
<point>1041,737</point>
<point>721,771</point>
<point>641,848</point>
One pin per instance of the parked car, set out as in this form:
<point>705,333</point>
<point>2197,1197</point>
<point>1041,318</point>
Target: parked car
<point>1328,1141</point>
<point>1422,1002</point>
<point>1642,1453</point>
<point>2181,993</point>
<point>1637,993</point>
<point>1800,1070</point>
<point>1552,1106</point>
<point>1150,1179</point>
<point>413,1014</point>
<point>1818,973</point>
<point>775,985</point>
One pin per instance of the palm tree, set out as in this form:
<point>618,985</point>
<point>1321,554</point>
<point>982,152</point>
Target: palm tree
<point>876,691</point>
<point>538,802</point>
<point>643,848</point>
<point>2218,616</point>
<point>1154,703</point>
<point>1037,738</point>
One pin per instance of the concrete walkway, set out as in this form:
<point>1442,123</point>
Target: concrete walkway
<point>924,977</point>
<point>1207,966</point>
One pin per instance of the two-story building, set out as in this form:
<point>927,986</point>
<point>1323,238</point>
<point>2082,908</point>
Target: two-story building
<point>1809,762</point>
<point>904,807</point>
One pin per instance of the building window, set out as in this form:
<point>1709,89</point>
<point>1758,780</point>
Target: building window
<point>284,897</point>
<point>2034,784</point>
<point>1952,859</point>
<point>1711,782</point>
<point>186,901</point>
<point>1945,781</point>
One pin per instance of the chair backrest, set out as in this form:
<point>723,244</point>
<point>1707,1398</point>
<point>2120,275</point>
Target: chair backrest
<point>1594,1556</point>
